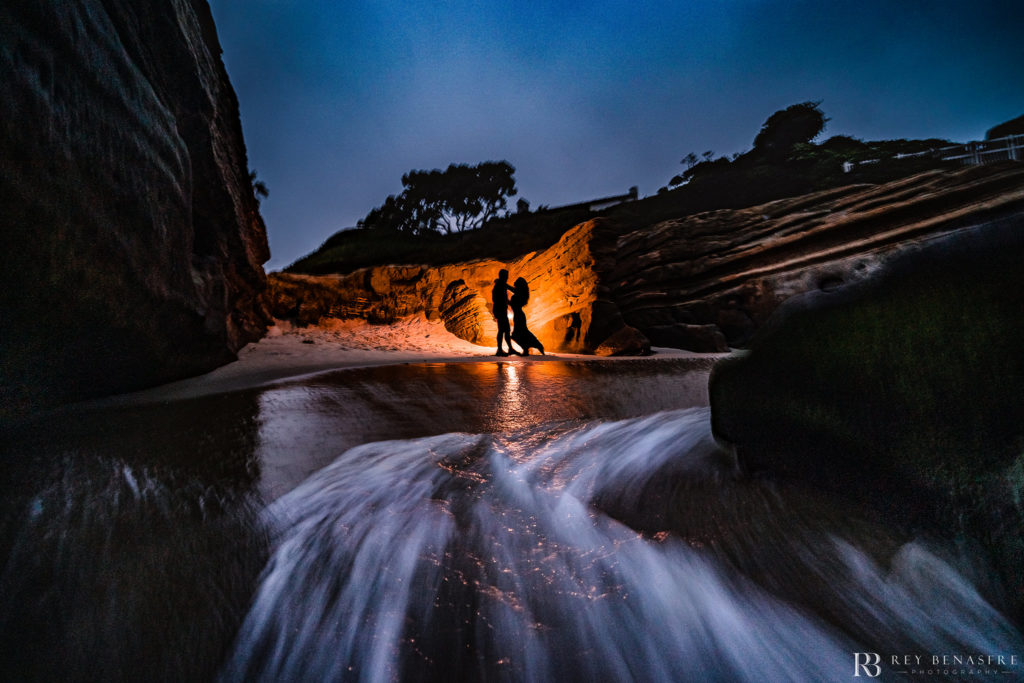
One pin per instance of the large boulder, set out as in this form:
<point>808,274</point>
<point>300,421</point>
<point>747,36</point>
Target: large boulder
<point>132,241</point>
<point>902,392</point>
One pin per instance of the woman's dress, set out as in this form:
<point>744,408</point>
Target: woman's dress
<point>521,335</point>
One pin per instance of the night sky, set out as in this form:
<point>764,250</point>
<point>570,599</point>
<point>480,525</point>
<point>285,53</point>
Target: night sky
<point>339,98</point>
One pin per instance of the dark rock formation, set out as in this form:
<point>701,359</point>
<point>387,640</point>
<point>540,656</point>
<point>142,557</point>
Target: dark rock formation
<point>901,392</point>
<point>680,281</point>
<point>132,242</point>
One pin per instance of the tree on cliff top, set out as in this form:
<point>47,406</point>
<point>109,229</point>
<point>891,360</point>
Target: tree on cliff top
<point>460,198</point>
<point>788,127</point>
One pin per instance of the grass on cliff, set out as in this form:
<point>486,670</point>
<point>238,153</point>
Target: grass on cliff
<point>743,182</point>
<point>502,239</point>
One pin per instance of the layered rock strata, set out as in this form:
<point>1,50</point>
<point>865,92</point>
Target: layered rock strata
<point>569,309</point>
<point>132,242</point>
<point>705,282</point>
<point>710,280</point>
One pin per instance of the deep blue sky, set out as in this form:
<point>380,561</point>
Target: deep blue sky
<point>339,98</point>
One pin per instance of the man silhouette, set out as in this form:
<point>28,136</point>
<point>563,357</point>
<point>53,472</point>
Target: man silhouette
<point>499,299</point>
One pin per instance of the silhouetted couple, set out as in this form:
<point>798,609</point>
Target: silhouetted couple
<point>519,332</point>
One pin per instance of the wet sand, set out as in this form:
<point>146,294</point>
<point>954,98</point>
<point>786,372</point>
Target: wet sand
<point>288,352</point>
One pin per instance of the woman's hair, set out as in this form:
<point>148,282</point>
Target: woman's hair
<point>522,289</point>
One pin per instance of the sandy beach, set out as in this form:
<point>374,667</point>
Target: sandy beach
<point>288,352</point>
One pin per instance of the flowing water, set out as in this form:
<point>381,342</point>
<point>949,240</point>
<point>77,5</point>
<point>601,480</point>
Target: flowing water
<point>498,521</point>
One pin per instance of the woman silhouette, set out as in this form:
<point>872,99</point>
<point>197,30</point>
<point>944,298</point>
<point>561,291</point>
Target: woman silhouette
<point>520,334</point>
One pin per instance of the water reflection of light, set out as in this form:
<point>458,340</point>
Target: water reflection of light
<point>511,372</point>
<point>512,411</point>
<point>510,395</point>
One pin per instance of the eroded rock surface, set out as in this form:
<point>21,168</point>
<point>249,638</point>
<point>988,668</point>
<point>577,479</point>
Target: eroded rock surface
<point>132,242</point>
<point>706,282</point>
<point>569,309</point>
<point>681,281</point>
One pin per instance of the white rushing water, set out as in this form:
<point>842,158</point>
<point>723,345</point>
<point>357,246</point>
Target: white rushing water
<point>484,557</point>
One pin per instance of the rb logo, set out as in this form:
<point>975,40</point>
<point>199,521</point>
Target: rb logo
<point>870,662</point>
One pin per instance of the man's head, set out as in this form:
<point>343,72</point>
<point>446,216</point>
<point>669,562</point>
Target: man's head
<point>503,275</point>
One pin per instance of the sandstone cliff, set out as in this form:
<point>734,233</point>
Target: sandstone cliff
<point>710,280</point>
<point>704,282</point>
<point>569,308</point>
<point>132,242</point>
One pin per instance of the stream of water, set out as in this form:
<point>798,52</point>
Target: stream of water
<point>502,521</point>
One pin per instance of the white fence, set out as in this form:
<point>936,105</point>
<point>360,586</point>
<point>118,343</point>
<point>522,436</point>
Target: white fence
<point>1009,148</point>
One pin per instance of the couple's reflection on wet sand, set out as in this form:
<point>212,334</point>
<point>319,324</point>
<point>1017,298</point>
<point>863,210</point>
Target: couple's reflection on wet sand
<point>519,332</point>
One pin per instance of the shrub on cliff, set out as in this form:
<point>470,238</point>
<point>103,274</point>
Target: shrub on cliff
<point>786,128</point>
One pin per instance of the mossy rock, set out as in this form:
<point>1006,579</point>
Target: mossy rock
<point>903,392</point>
